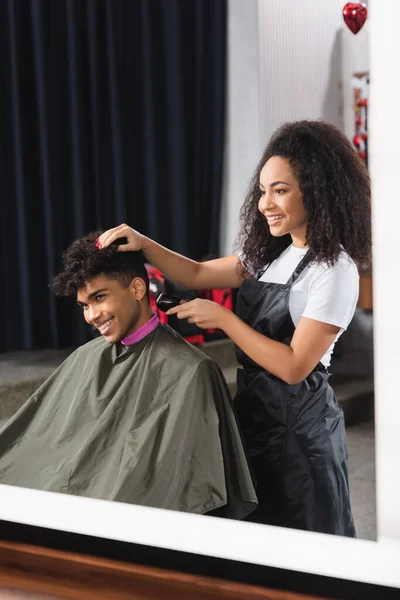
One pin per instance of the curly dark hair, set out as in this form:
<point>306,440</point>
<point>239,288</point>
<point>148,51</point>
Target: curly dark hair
<point>336,195</point>
<point>82,261</point>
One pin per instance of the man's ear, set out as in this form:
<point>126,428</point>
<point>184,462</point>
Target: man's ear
<point>138,288</point>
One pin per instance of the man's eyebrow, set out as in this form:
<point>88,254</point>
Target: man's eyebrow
<point>93,295</point>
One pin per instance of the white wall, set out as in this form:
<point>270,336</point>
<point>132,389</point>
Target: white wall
<point>308,56</point>
<point>243,140</point>
<point>355,59</point>
<point>300,53</point>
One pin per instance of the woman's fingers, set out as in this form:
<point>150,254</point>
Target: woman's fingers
<point>182,311</point>
<point>134,239</point>
<point>107,237</point>
<point>203,313</point>
<point>183,314</point>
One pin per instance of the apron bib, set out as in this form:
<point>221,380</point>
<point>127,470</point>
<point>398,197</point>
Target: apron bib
<point>294,434</point>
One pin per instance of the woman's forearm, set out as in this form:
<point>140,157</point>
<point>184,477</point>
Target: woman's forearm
<point>176,267</point>
<point>275,357</point>
<point>222,272</point>
<point>310,341</point>
<point>218,273</point>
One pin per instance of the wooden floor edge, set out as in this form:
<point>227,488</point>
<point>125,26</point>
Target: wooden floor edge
<point>83,577</point>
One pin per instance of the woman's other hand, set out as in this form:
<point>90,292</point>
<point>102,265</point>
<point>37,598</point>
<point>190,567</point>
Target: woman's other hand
<point>135,240</point>
<point>203,313</point>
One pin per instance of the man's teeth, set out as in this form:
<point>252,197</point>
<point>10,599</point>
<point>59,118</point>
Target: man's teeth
<point>105,325</point>
<point>275,218</point>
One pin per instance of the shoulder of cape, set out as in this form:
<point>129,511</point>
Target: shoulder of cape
<point>98,342</point>
<point>73,362</point>
<point>181,350</point>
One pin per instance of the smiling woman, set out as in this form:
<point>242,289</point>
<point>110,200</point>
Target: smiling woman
<point>305,218</point>
<point>333,184</point>
<point>281,201</point>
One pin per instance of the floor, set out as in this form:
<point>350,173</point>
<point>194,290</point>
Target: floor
<point>361,446</point>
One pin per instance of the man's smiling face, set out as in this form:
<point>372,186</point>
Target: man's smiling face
<point>111,307</point>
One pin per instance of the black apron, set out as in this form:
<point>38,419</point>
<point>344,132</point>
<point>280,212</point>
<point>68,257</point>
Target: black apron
<point>294,434</point>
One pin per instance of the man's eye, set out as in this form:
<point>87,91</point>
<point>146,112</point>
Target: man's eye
<point>99,297</point>
<point>262,192</point>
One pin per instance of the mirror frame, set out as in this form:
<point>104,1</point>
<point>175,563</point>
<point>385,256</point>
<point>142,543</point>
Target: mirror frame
<point>246,551</point>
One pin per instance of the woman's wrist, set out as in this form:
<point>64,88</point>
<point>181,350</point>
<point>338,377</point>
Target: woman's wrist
<point>226,319</point>
<point>146,245</point>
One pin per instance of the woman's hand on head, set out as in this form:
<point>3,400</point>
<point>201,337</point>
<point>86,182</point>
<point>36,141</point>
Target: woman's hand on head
<point>135,240</point>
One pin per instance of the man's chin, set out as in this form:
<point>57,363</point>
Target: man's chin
<point>112,339</point>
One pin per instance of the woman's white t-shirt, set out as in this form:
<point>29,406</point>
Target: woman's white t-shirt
<point>321,292</point>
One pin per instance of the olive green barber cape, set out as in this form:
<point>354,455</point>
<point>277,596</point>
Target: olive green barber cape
<point>148,424</point>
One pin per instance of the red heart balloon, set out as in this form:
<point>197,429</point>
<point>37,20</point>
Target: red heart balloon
<point>355,15</point>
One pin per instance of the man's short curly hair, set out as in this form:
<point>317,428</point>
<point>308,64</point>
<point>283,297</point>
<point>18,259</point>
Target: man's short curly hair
<point>336,195</point>
<point>83,261</point>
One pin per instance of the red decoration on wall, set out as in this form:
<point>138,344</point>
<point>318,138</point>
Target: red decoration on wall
<point>355,14</point>
<point>360,82</point>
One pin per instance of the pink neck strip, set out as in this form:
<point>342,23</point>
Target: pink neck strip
<point>142,332</point>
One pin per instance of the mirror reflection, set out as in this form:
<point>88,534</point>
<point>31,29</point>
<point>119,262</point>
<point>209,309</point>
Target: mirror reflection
<point>190,307</point>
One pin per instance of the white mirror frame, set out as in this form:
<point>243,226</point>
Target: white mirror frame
<point>354,560</point>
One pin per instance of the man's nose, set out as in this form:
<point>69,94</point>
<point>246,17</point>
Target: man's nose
<point>92,314</point>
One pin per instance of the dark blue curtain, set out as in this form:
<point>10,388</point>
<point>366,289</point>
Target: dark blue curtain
<point>111,111</point>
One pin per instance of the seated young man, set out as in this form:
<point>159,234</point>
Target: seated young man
<point>136,415</point>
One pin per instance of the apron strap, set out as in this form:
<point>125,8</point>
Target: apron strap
<point>300,268</point>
